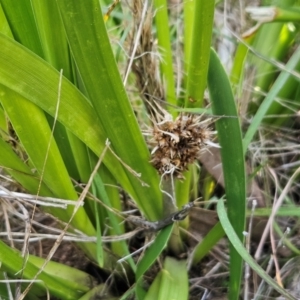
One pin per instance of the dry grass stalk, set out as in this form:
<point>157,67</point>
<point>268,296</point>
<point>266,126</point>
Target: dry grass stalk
<point>145,66</point>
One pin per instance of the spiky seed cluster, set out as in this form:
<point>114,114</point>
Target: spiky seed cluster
<point>178,143</point>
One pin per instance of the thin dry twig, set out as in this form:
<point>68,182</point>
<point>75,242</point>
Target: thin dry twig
<point>37,200</point>
<point>133,172</point>
<point>273,213</point>
<point>248,238</point>
<point>73,238</point>
<point>136,43</point>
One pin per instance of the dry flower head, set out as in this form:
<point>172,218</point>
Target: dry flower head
<point>177,143</point>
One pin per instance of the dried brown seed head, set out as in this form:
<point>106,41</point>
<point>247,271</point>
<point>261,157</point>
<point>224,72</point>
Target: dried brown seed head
<point>178,143</point>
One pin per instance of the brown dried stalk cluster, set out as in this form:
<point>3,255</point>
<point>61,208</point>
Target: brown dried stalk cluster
<point>146,64</point>
<point>178,143</point>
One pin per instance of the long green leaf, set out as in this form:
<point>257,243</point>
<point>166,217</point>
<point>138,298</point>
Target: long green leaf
<point>208,242</point>
<point>154,288</point>
<point>153,252</point>
<point>22,24</point>
<point>68,276</point>
<point>164,43</point>
<point>100,255</point>
<point>200,51</point>
<point>115,201</point>
<point>94,58</point>
<point>52,36</point>
<point>188,14</point>
<point>230,139</point>
<point>114,222</point>
<point>12,262</point>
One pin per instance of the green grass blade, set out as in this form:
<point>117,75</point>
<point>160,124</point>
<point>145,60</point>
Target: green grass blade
<point>140,292</point>
<point>200,51</point>
<point>113,193</point>
<point>164,43</point>
<point>154,288</point>
<point>265,105</point>
<point>104,86</point>
<point>237,71</point>
<point>292,211</point>
<point>235,241</point>
<point>153,252</point>
<point>174,280</point>
<point>4,27</point>
<point>183,191</point>
<point>188,14</point>
<point>287,242</point>
<point>114,222</point>
<point>208,242</point>
<point>3,124</point>
<point>71,277</point>
<point>12,263</point>
<point>97,292</point>
<point>21,172</point>
<point>26,33</point>
<point>230,139</point>
<point>280,36</point>
<point>78,152</point>
<point>99,247</point>
<point>287,15</point>
<point>52,36</point>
